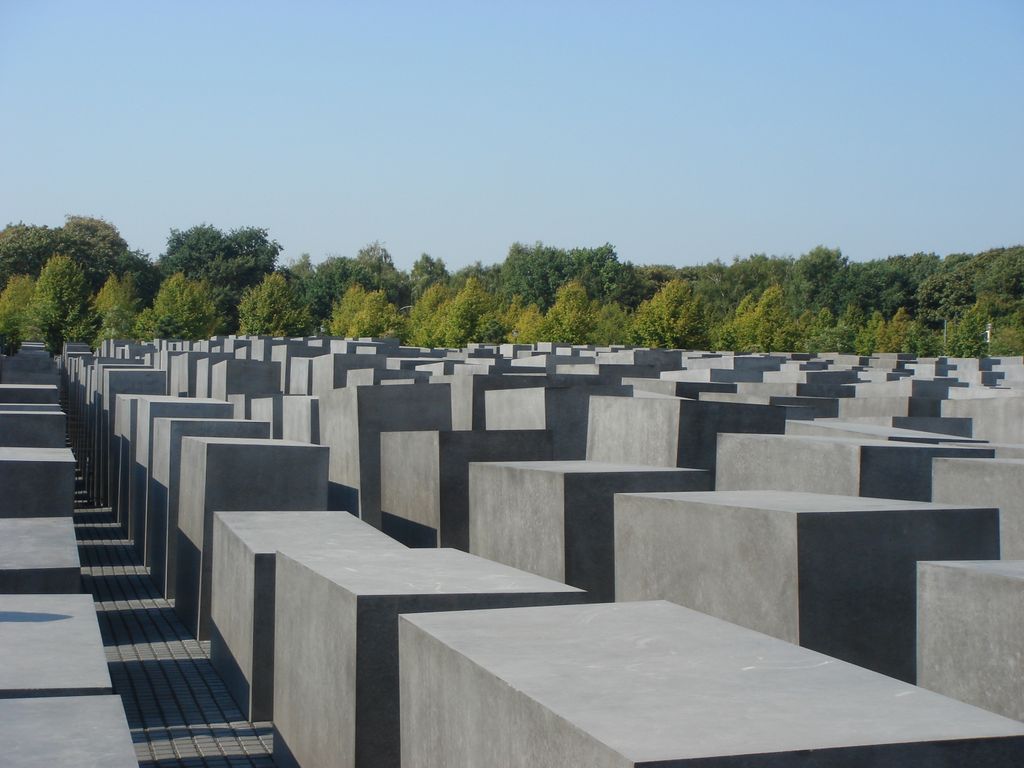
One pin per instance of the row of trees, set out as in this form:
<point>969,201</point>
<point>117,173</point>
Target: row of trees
<point>208,281</point>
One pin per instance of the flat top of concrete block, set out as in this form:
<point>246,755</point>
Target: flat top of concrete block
<point>421,571</point>
<point>796,501</point>
<point>35,387</point>
<point>37,542</point>
<point>656,681</point>
<point>51,643</point>
<point>884,431</point>
<point>267,532</point>
<point>582,466</point>
<point>857,441</point>
<point>1011,569</point>
<point>255,442</point>
<point>35,409</point>
<point>985,462</point>
<point>36,454</point>
<point>66,732</point>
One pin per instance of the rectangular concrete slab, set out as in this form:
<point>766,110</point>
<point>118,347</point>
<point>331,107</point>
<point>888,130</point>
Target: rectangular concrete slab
<point>656,684</point>
<point>164,486</point>
<point>39,555</point>
<point>555,518</point>
<point>33,429</point>
<point>836,574</point>
<point>242,594</point>
<point>36,482</point>
<point>51,646</point>
<point>970,645</point>
<point>66,732</point>
<point>228,474</point>
<point>336,644</point>
<point>989,482</point>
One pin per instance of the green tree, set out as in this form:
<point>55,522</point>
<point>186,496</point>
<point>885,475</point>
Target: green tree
<point>472,316</point>
<point>524,324</point>
<point>182,309</point>
<point>866,341</point>
<point>15,301</point>
<point>535,273</point>
<point>571,318</point>
<point>273,308</point>
<point>774,329</point>
<point>673,318</point>
<point>61,310</point>
<point>612,325</point>
<point>377,317</point>
<point>426,272</point>
<point>375,271</point>
<point>819,276</point>
<point>343,317</point>
<point>229,263</point>
<point>117,307</point>
<point>428,316</point>
<point>967,335</point>
<point>894,336</point>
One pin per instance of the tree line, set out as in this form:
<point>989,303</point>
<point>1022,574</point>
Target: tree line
<point>81,281</point>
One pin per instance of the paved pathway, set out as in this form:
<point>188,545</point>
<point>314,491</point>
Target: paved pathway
<point>179,712</point>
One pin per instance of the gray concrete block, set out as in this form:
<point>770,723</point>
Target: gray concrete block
<point>970,645</point>
<point>244,377</point>
<point>991,483</point>
<point>243,590</point>
<point>351,421</point>
<point>836,574</point>
<point>164,487</point>
<point>843,466</point>
<point>999,419</point>
<point>330,371</point>
<point>228,474</point>
<point>36,482</point>
<point>300,418</point>
<point>29,393</point>
<point>671,432</point>
<point>150,408</point>
<point>39,555</point>
<point>66,732</point>
<point>51,646</point>
<point>425,479</point>
<point>268,409</point>
<point>555,518</point>
<point>32,429</point>
<point>336,642</point>
<point>655,684</point>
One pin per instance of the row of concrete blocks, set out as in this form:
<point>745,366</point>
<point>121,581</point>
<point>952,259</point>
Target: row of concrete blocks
<point>57,707</point>
<point>365,653</point>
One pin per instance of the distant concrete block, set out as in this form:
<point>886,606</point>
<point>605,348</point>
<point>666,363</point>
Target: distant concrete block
<point>425,479</point>
<point>655,684</point>
<point>243,590</point>
<point>36,482</point>
<point>836,574</point>
<point>29,393</point>
<point>336,642</point>
<point>843,466</point>
<point>970,645</point>
<point>555,518</point>
<point>51,646</point>
<point>227,474</point>
<point>39,555</point>
<point>66,732</point>
<point>991,483</point>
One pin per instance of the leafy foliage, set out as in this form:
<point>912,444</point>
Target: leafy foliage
<point>183,309</point>
<point>273,308</point>
<point>15,302</point>
<point>117,307</point>
<point>61,308</point>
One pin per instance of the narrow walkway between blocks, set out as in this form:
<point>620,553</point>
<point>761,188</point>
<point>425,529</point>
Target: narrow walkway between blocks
<point>179,712</point>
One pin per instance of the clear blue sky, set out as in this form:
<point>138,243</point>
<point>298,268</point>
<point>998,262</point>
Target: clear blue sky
<point>678,131</point>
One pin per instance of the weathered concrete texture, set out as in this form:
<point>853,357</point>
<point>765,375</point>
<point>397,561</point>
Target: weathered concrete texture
<point>836,574</point>
<point>32,429</point>
<point>242,596</point>
<point>425,479</point>
<point>65,732</point>
<point>555,518</point>
<point>36,482</point>
<point>655,684</point>
<point>563,408</point>
<point>859,430</point>
<point>244,377</point>
<point>970,645</point>
<point>351,420</point>
<point>671,432</point>
<point>836,465</point>
<point>39,555</point>
<point>165,485</point>
<point>300,418</point>
<point>151,408</point>
<point>336,647</point>
<point>50,646</point>
<point>330,371</point>
<point>228,474</point>
<point>993,483</point>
